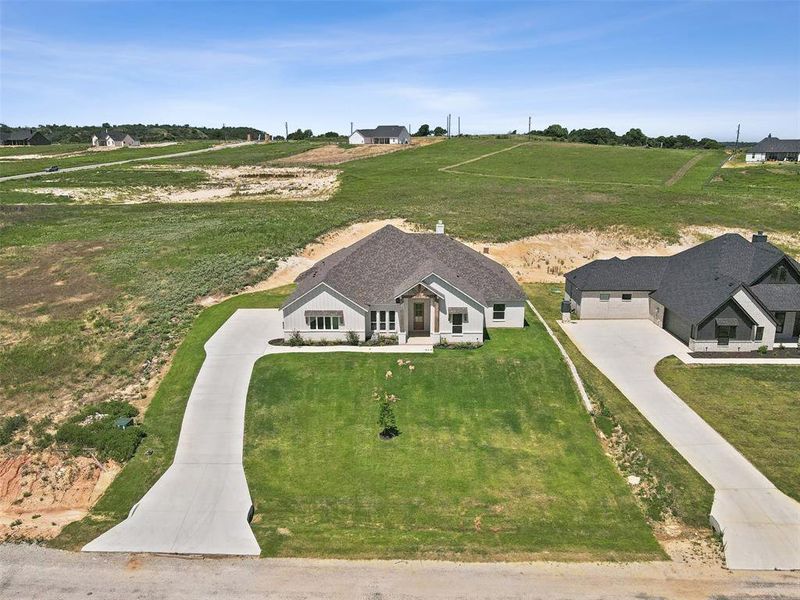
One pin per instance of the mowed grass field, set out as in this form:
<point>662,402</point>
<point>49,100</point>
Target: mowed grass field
<point>496,459</point>
<point>580,163</point>
<point>756,408</point>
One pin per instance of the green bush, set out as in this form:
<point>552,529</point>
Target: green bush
<point>9,426</point>
<point>101,434</point>
<point>352,338</point>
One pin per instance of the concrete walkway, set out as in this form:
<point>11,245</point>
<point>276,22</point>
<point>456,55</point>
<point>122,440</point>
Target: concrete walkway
<point>760,524</point>
<point>122,162</point>
<point>201,504</point>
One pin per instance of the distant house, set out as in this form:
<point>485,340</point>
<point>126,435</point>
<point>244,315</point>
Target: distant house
<point>114,138</point>
<point>382,134</point>
<point>726,294</point>
<point>419,287</point>
<point>772,148</point>
<point>24,137</point>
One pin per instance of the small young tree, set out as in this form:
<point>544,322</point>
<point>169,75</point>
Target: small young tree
<point>387,420</point>
<point>439,131</point>
<point>423,131</point>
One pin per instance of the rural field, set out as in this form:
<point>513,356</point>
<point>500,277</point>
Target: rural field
<point>104,273</point>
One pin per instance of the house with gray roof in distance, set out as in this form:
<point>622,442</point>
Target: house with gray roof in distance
<point>382,134</point>
<point>772,148</point>
<point>23,136</point>
<point>421,287</point>
<point>114,139</point>
<point>726,294</point>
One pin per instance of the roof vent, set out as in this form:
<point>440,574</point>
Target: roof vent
<point>440,227</point>
<point>759,237</point>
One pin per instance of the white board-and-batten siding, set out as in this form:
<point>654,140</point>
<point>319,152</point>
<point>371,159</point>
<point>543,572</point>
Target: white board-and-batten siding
<point>323,298</point>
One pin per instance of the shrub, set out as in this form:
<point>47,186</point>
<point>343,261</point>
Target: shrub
<point>352,338</point>
<point>387,420</point>
<point>762,349</point>
<point>9,426</point>
<point>445,345</point>
<point>296,339</point>
<point>101,434</point>
<point>381,340</point>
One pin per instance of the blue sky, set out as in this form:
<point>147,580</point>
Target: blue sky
<point>698,68</point>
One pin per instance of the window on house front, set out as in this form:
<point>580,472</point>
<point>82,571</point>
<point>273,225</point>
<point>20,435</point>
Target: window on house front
<point>780,320</point>
<point>499,312</point>
<point>324,322</point>
<point>627,297</point>
<point>382,320</point>
<point>458,323</point>
<point>759,334</point>
<point>725,333</point>
<point>605,297</point>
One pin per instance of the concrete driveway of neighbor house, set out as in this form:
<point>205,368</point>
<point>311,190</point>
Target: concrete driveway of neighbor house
<point>760,524</point>
<point>202,503</point>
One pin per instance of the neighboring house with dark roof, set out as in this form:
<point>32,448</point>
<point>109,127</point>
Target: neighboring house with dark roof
<point>24,137</point>
<point>420,287</point>
<point>114,139</point>
<point>382,134</point>
<point>724,294</point>
<point>772,148</point>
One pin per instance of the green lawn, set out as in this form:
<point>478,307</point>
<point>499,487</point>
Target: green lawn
<point>253,154</point>
<point>755,408</point>
<point>587,164</point>
<point>680,488</point>
<point>6,151</point>
<point>162,422</point>
<point>34,165</point>
<point>496,460</point>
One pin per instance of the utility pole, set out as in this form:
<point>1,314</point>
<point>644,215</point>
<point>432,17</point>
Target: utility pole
<point>286,127</point>
<point>351,128</point>
<point>448,124</point>
<point>529,126</point>
<point>459,126</point>
<point>736,146</point>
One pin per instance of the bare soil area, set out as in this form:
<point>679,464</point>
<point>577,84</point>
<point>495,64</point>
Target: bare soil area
<point>41,493</point>
<point>333,154</point>
<point>224,183</point>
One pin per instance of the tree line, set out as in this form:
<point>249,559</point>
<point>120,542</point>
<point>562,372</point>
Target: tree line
<point>633,137</point>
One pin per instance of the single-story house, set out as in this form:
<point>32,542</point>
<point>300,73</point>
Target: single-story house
<point>23,137</point>
<point>420,287</point>
<point>114,138</point>
<point>772,148</point>
<point>726,294</point>
<point>382,134</point>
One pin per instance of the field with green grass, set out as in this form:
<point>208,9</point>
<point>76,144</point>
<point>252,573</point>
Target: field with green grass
<point>33,165</point>
<point>6,151</point>
<point>581,163</point>
<point>756,408</point>
<point>496,459</point>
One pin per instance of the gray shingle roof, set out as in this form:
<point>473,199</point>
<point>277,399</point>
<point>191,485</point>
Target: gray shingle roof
<point>778,297</point>
<point>20,134</point>
<point>383,131</point>
<point>691,283</point>
<point>117,136</point>
<point>385,264</point>
<point>773,144</point>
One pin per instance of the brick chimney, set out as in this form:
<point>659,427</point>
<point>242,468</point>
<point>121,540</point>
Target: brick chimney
<point>759,237</point>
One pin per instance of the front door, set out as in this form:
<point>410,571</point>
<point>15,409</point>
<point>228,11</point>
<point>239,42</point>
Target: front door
<point>419,316</point>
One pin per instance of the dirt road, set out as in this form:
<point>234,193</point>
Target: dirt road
<point>34,572</point>
<point>122,162</point>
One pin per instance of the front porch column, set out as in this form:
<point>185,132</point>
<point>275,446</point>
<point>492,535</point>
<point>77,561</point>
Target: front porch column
<point>435,320</point>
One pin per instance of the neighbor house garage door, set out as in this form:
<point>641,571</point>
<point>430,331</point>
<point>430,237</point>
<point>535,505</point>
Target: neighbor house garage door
<point>677,326</point>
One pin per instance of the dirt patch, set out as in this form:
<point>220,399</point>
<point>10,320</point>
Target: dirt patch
<point>332,154</point>
<point>54,280</point>
<point>224,183</point>
<point>41,493</point>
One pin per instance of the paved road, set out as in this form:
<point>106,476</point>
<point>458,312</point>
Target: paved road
<point>30,572</point>
<point>760,524</point>
<point>122,162</point>
<point>200,505</point>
